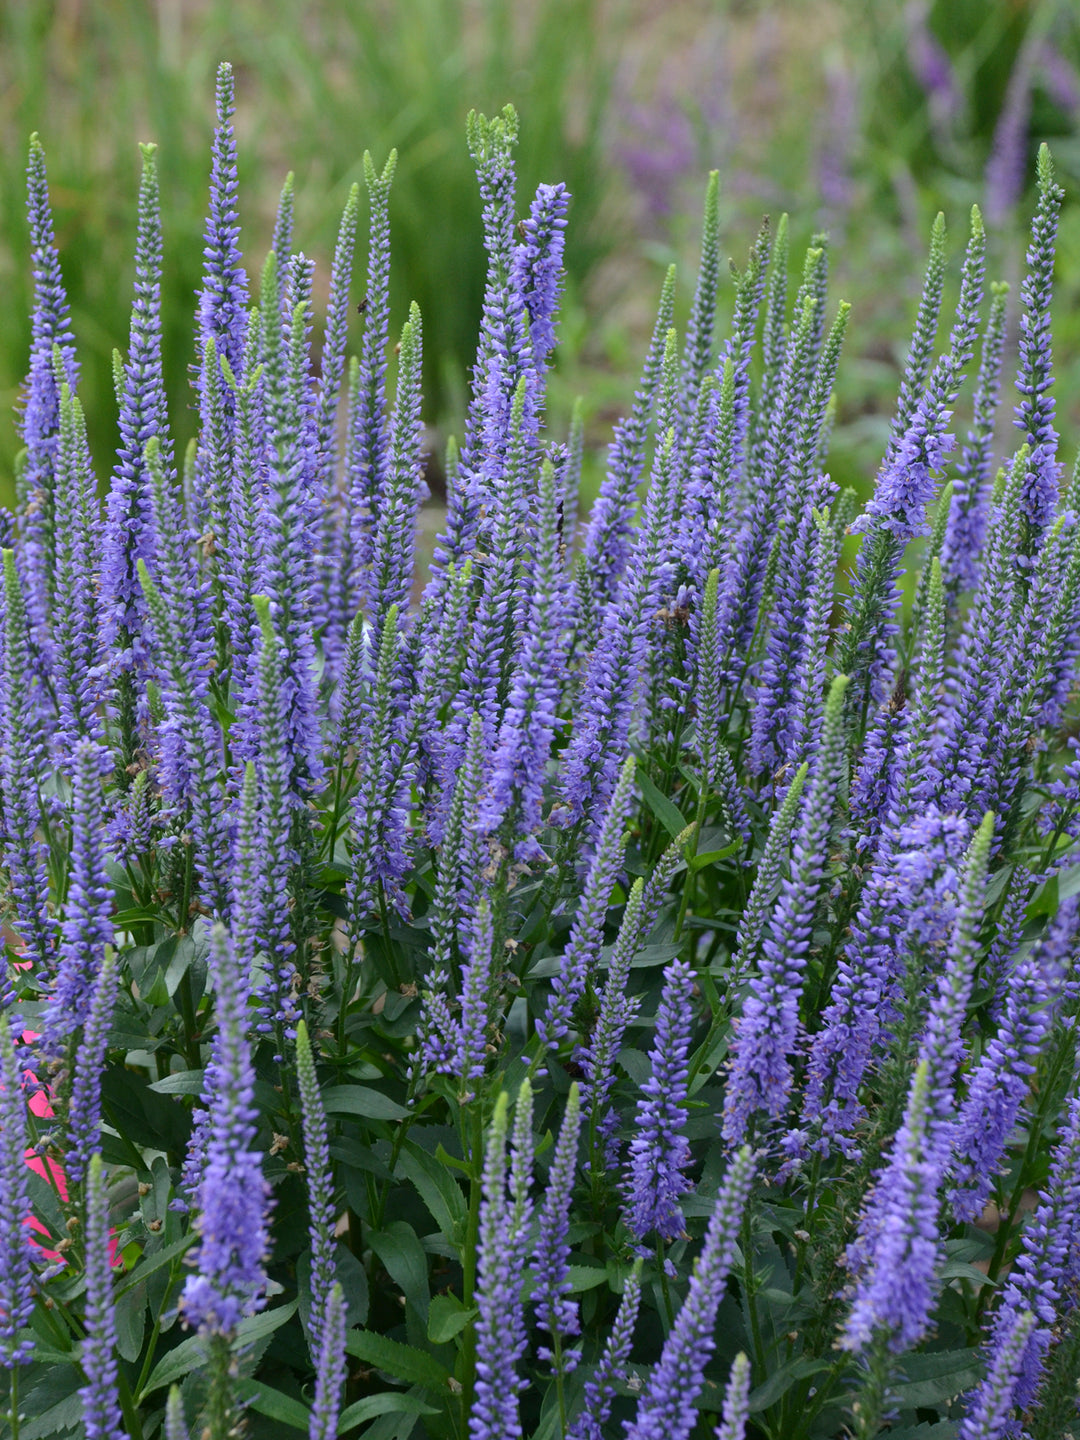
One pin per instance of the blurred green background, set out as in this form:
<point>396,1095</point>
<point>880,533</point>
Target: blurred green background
<point>862,116</point>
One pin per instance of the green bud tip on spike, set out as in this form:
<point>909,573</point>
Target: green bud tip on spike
<point>261,604</point>
<point>372,178</point>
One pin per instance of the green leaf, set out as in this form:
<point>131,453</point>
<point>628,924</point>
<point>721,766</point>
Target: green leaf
<point>928,1430</point>
<point>53,1404</point>
<point>385,1404</point>
<point>781,1381</point>
<point>44,1203</point>
<point>447,1318</point>
<point>183,1082</point>
<point>938,1377</point>
<point>586,1277</point>
<point>362,1100</point>
<point>155,1260</point>
<point>961,1270</point>
<point>403,1255</point>
<point>177,953</point>
<point>711,857</point>
<point>189,1354</point>
<point>273,1404</point>
<point>131,1321</point>
<point>664,809</point>
<point>153,1121</point>
<point>437,1188</point>
<point>403,1362</point>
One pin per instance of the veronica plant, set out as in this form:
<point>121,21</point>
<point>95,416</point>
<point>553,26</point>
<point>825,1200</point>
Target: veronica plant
<point>593,991</point>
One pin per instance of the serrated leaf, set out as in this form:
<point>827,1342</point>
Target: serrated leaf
<point>447,1317</point>
<point>61,1414</point>
<point>403,1362</point>
<point>362,1100</point>
<point>437,1188</point>
<point>189,1354</point>
<point>938,1377</point>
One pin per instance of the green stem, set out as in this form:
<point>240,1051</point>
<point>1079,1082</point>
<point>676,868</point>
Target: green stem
<point>870,1406</point>
<point>751,1293</point>
<point>468,1262</point>
<point>14,1397</point>
<point>219,1404</point>
<point>556,1348</point>
<point>690,852</point>
<point>669,1308</point>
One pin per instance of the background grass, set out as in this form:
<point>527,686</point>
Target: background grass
<point>825,109</point>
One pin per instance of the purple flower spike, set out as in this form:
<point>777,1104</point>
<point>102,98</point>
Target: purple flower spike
<point>899,1248</point>
<point>87,926</point>
<point>21,769</point>
<point>1000,1084</point>
<point>500,1325</point>
<point>401,489</point>
<point>1047,1264</point>
<point>536,269</point>
<point>610,1369</point>
<point>100,1411</point>
<point>330,1369</point>
<point>968,513</point>
<point>39,424</point>
<point>617,1009</point>
<point>736,1401</point>
<point>906,484</point>
<point>230,1256</point>
<point>75,621</point>
<point>84,1108</point>
<point>990,1408</point>
<point>175,1424</point>
<point>477,984</point>
<point>223,299</point>
<point>16,1275</point>
<point>556,1312</point>
<point>761,1076</point>
<point>1035,413</point>
<point>659,1151</point>
<point>586,939</point>
<point>503,356</point>
<point>191,747</point>
<point>609,536</point>
<point>380,809</point>
<point>530,720</point>
<point>129,525</point>
<point>899,1238</point>
<point>667,1411</point>
<point>280,816</point>
<point>620,657</point>
<point>320,1189</point>
<point>367,445</point>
